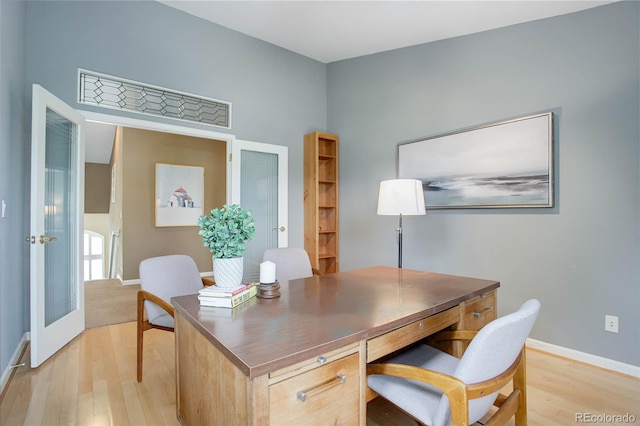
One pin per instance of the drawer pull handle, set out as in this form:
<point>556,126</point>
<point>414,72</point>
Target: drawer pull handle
<point>321,360</point>
<point>339,379</point>
<point>487,309</point>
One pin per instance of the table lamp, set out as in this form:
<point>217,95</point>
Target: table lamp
<point>401,197</point>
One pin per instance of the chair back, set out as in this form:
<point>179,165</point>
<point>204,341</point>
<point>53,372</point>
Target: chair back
<point>291,262</point>
<point>491,352</point>
<point>167,277</point>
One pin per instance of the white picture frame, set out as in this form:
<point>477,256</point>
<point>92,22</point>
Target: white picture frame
<point>179,195</point>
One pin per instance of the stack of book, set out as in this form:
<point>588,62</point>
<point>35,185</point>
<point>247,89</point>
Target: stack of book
<point>226,297</point>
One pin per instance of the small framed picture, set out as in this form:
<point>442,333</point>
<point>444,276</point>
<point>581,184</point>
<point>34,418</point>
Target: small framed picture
<point>179,195</point>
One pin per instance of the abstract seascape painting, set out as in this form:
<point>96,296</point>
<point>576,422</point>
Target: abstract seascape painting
<point>502,165</point>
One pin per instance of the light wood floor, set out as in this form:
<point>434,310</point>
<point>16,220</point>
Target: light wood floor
<point>92,381</point>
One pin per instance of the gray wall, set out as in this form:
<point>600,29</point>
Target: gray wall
<point>580,258</point>
<point>14,182</point>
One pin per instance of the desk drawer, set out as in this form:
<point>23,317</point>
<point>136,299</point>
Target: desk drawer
<point>479,311</point>
<point>324,395</point>
<point>410,333</point>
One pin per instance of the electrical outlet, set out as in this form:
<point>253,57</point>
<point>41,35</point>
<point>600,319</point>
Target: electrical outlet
<point>611,323</point>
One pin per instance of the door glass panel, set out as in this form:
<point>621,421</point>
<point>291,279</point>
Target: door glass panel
<point>60,208</point>
<point>259,193</point>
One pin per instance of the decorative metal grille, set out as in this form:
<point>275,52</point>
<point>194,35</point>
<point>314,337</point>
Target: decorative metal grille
<point>116,93</point>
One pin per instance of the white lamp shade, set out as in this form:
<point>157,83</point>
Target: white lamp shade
<point>401,196</point>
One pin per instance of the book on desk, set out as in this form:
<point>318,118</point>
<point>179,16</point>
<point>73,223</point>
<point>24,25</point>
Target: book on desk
<point>213,313</point>
<point>226,298</point>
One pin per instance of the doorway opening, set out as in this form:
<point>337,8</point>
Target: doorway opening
<point>93,256</point>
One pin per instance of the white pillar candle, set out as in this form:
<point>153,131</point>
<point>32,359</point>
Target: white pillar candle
<point>267,272</point>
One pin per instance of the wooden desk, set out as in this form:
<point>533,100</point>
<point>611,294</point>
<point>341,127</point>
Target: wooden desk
<point>247,366</point>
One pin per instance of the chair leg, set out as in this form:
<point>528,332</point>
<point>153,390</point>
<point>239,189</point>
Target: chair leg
<point>139,363</point>
<point>520,384</point>
<point>140,334</point>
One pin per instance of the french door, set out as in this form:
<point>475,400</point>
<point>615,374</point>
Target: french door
<point>259,182</point>
<point>57,204</point>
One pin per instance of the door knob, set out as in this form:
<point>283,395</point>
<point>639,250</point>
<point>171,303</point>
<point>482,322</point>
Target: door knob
<point>281,229</point>
<point>44,239</point>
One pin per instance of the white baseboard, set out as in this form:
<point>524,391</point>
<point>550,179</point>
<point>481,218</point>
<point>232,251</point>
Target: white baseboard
<point>4,379</point>
<point>598,361</point>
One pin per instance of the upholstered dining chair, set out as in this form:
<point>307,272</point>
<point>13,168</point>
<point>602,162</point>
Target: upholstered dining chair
<point>162,278</point>
<point>439,389</point>
<point>291,263</point>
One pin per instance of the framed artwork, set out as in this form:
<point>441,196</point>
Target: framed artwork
<point>179,195</point>
<point>501,165</point>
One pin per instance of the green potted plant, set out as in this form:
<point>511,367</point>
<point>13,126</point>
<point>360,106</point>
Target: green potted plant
<point>224,232</point>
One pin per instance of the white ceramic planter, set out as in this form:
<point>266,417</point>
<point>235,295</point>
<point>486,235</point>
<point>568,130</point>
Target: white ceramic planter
<point>227,272</point>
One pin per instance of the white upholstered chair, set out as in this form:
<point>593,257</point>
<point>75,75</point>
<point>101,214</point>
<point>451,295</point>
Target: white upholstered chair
<point>162,278</point>
<point>439,389</point>
<point>291,263</point>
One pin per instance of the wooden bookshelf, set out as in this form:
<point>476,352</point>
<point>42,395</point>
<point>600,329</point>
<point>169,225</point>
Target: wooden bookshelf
<point>321,200</point>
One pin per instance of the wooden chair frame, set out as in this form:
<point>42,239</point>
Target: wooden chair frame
<point>460,393</point>
<point>144,324</point>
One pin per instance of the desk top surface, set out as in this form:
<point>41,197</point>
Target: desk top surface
<point>319,314</point>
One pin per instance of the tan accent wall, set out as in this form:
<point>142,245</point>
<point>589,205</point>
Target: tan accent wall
<point>97,187</point>
<point>141,150</point>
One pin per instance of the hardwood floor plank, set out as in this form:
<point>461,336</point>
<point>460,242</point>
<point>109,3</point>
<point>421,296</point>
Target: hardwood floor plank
<point>101,409</point>
<point>54,400</point>
<point>85,408</point>
<point>116,402</point>
<point>135,413</point>
<point>97,357</point>
<point>85,373</point>
<point>122,336</point>
<point>68,410</point>
<point>36,408</point>
<point>159,347</point>
<point>92,381</point>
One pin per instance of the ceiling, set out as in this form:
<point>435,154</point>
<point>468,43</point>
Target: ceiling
<point>99,139</point>
<point>329,31</point>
